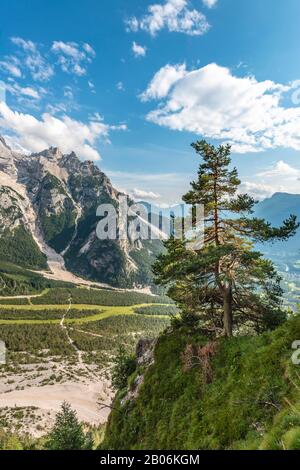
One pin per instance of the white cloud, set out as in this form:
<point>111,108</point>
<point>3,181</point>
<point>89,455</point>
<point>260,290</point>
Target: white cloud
<point>38,67</point>
<point>120,86</point>
<point>72,57</point>
<point>92,86</point>
<point>280,169</point>
<point>258,190</point>
<point>210,3</point>
<point>57,108</point>
<point>26,45</point>
<point>215,104</point>
<point>17,90</point>
<point>162,81</point>
<point>90,51</point>
<point>11,65</point>
<point>141,194</point>
<point>66,133</point>
<point>68,92</point>
<point>139,51</point>
<point>149,177</point>
<point>68,48</point>
<point>280,177</point>
<point>173,15</point>
<point>169,187</point>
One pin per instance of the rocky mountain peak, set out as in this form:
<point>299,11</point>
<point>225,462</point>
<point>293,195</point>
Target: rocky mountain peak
<point>52,153</point>
<point>89,168</point>
<point>3,143</point>
<point>70,162</point>
<point>6,158</point>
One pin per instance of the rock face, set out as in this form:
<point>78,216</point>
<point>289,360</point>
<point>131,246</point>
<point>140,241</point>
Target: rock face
<point>145,358</point>
<point>145,351</point>
<point>54,198</point>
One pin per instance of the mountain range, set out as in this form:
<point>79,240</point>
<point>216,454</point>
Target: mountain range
<point>48,204</point>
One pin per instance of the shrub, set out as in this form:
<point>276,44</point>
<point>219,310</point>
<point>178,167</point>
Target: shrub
<point>124,366</point>
<point>67,433</point>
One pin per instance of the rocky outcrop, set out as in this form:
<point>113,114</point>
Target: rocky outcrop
<point>145,351</point>
<point>144,358</point>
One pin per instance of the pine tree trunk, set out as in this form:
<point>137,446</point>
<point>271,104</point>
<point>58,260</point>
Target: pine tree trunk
<point>228,316</point>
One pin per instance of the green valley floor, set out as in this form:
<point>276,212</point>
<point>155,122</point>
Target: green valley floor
<point>60,344</point>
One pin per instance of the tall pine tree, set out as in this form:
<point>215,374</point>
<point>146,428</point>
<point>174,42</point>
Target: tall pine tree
<point>225,283</point>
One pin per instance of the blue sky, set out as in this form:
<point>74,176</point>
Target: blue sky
<point>132,84</point>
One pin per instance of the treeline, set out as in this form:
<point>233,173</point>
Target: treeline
<point>18,281</point>
<point>19,247</point>
<point>35,338</point>
<point>43,314</point>
<point>157,310</point>
<point>15,301</point>
<point>97,297</point>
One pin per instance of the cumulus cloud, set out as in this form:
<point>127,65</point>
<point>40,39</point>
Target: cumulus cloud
<point>163,81</point>
<point>72,57</point>
<point>210,3</point>
<point>33,60</point>
<point>173,15</point>
<point>139,51</point>
<point>68,134</point>
<point>215,104</point>
<point>141,194</point>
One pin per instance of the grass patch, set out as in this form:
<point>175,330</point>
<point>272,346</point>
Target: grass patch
<point>252,401</point>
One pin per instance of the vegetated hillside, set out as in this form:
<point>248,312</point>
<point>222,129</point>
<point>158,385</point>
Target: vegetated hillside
<point>17,243</point>
<point>16,280</point>
<point>246,396</point>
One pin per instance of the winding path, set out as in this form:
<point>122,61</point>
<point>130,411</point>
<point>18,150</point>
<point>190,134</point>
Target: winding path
<point>66,331</point>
